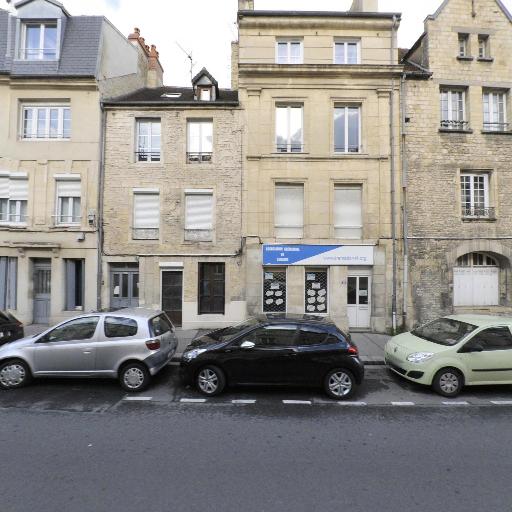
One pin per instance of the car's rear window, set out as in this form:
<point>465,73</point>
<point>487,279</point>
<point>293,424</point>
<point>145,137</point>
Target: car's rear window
<point>119,327</point>
<point>160,325</point>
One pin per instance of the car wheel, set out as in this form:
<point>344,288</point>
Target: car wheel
<point>210,381</point>
<point>14,374</point>
<point>340,384</point>
<point>134,377</point>
<point>448,382</point>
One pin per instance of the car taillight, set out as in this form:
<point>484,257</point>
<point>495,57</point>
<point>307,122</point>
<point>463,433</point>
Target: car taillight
<point>153,344</point>
<point>352,350</point>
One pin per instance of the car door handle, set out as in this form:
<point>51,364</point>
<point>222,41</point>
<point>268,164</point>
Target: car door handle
<point>87,351</point>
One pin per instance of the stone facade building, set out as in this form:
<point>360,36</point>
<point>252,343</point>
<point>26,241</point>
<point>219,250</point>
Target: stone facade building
<point>457,175</point>
<point>54,71</point>
<point>320,93</point>
<point>172,210</point>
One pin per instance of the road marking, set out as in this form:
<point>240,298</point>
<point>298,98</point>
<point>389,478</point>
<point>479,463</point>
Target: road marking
<point>401,404</point>
<point>450,402</point>
<point>358,404</point>
<point>243,401</point>
<point>138,398</point>
<point>297,402</point>
<point>193,400</point>
<point>501,402</point>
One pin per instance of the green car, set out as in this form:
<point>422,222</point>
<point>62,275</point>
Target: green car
<point>454,351</point>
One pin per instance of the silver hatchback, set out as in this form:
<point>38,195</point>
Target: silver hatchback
<point>130,344</point>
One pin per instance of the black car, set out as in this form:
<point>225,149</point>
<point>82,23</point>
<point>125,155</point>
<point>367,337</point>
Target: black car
<point>11,328</point>
<point>276,350</point>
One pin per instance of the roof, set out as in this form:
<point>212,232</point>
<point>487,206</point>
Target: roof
<point>54,2</point>
<point>157,97</point>
<point>136,312</point>
<point>440,9</point>
<point>482,320</point>
<point>204,72</point>
<point>320,14</point>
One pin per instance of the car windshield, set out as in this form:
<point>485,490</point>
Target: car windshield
<point>229,333</point>
<point>444,331</point>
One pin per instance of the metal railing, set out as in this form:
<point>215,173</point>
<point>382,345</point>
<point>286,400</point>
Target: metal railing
<point>496,127</point>
<point>66,220</point>
<point>147,156</point>
<point>13,218</point>
<point>290,148</point>
<point>38,53</point>
<point>448,124</point>
<point>478,212</point>
<point>350,149</point>
<point>197,158</point>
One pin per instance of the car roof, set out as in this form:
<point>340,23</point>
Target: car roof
<point>281,318</point>
<point>482,320</point>
<point>142,313</point>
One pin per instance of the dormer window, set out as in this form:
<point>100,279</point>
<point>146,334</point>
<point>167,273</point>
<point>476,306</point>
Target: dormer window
<point>39,41</point>
<point>205,93</point>
<point>205,86</point>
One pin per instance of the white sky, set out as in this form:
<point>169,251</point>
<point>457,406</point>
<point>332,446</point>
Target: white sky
<point>207,27</point>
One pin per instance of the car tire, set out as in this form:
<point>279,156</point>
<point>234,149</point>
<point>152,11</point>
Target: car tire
<point>210,381</point>
<point>134,377</point>
<point>14,374</point>
<point>448,382</point>
<point>340,384</point>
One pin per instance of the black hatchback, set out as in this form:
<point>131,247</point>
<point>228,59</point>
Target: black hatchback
<point>275,350</point>
<point>11,329</point>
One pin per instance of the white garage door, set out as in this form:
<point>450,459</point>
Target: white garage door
<point>476,286</point>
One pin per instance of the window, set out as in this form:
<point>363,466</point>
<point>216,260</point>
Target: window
<point>316,291</point>
<point>347,129</point>
<point>200,141</point>
<point>46,122</point>
<point>476,259</point>
<point>289,131</point>
<point>205,93</point>
<point>274,290</point>
<point>475,195</point>
<point>348,215</point>
<point>463,45</point>
<point>160,325</point>
<point>13,200</point>
<point>311,336</point>
<point>347,52</point>
<point>146,215</point>
<point>199,215</point>
<point>289,52</point>
<point>8,282</point>
<point>75,283</point>
<point>495,338</point>
<point>495,111</point>
<point>273,336</point>
<point>483,47</point>
<point>75,330</point>
<point>68,202</point>
<point>453,109</point>
<point>212,288</point>
<point>39,41</point>
<point>148,140</point>
<point>289,210</point>
<point>118,327</point>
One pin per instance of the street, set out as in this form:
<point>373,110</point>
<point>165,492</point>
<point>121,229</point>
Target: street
<point>86,446</point>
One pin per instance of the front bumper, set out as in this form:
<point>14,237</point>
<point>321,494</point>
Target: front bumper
<point>421,373</point>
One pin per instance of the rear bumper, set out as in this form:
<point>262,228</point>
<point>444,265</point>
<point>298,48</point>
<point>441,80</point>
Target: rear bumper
<point>158,361</point>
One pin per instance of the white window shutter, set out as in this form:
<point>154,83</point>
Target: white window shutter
<point>348,219</point>
<point>69,188</point>
<point>18,189</point>
<point>4,187</point>
<point>146,211</point>
<point>289,211</point>
<point>199,211</point>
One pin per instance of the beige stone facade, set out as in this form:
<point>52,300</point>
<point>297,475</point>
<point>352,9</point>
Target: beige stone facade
<point>457,162</point>
<point>360,293</point>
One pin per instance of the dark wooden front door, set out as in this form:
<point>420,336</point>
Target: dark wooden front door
<point>172,296</point>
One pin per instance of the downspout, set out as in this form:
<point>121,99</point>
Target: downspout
<point>393,177</point>
<point>405,286</point>
<point>99,282</point>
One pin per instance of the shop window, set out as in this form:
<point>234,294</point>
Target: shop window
<point>316,291</point>
<point>274,290</point>
<point>212,288</point>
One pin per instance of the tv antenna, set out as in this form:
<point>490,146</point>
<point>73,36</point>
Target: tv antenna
<point>189,57</point>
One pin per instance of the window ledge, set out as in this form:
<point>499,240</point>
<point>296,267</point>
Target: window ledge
<point>43,139</point>
<point>67,227</point>
<point>14,227</point>
<point>465,58</point>
<point>494,132</point>
<point>485,59</point>
<point>289,153</point>
<point>451,130</point>
<point>479,219</point>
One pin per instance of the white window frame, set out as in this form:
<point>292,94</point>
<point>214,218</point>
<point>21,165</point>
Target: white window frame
<point>18,205</point>
<point>360,145</point>
<point>345,43</point>
<point>149,150</point>
<point>288,107</point>
<point>203,156</point>
<point>492,99</point>
<point>463,123</point>
<point>291,226</point>
<point>289,42</point>
<point>42,27</point>
<point>463,41</point>
<point>35,108</point>
<point>472,206</point>
<point>359,188</point>
<point>59,213</point>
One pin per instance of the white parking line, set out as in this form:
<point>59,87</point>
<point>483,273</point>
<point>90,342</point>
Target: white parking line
<point>138,398</point>
<point>455,403</point>
<point>193,400</point>
<point>402,404</point>
<point>297,402</point>
<point>356,404</point>
<point>501,402</point>
<point>243,401</point>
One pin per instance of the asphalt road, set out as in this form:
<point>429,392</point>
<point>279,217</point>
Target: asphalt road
<point>80,446</point>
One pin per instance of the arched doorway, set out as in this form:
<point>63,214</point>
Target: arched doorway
<point>476,280</point>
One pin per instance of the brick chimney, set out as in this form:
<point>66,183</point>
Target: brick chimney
<point>155,71</point>
<point>365,6</point>
<point>246,5</point>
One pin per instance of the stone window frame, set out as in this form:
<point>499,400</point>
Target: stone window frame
<point>209,236</point>
<point>290,182</point>
<point>464,37</point>
<point>459,125</point>
<point>346,41</point>
<point>362,186</point>
<point>505,126</point>
<point>491,194</point>
<point>153,234</point>
<point>484,47</point>
<point>289,41</point>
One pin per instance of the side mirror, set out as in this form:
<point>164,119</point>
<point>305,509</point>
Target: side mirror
<point>247,344</point>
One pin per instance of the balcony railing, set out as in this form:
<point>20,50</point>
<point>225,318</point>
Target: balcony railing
<point>145,233</point>
<point>38,53</point>
<point>13,218</point>
<point>197,158</point>
<point>478,212</point>
<point>343,149</point>
<point>147,156</point>
<point>290,148</point>
<point>66,220</point>
<point>447,124</point>
<point>496,127</point>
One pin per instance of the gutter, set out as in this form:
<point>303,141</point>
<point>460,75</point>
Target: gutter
<point>405,229</point>
<point>101,198</point>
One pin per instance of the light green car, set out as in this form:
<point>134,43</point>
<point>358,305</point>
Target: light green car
<point>454,351</point>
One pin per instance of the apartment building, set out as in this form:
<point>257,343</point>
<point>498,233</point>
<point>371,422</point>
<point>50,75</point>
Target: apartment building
<point>457,175</point>
<point>320,93</point>
<point>172,203</point>
<point>54,70</point>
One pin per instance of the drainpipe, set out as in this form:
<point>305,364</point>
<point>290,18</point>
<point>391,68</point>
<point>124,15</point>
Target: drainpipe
<point>405,228</point>
<point>393,175</point>
<point>99,281</point>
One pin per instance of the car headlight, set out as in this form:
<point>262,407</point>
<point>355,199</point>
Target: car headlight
<point>420,357</point>
<point>192,354</point>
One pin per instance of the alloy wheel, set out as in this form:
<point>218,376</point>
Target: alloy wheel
<point>449,382</point>
<point>12,375</point>
<point>208,381</point>
<point>340,384</point>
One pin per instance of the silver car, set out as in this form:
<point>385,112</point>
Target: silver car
<point>130,344</point>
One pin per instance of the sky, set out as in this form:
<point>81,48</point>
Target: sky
<point>206,27</point>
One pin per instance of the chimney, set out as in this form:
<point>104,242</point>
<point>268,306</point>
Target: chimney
<point>246,5</point>
<point>155,72</point>
<point>365,6</point>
